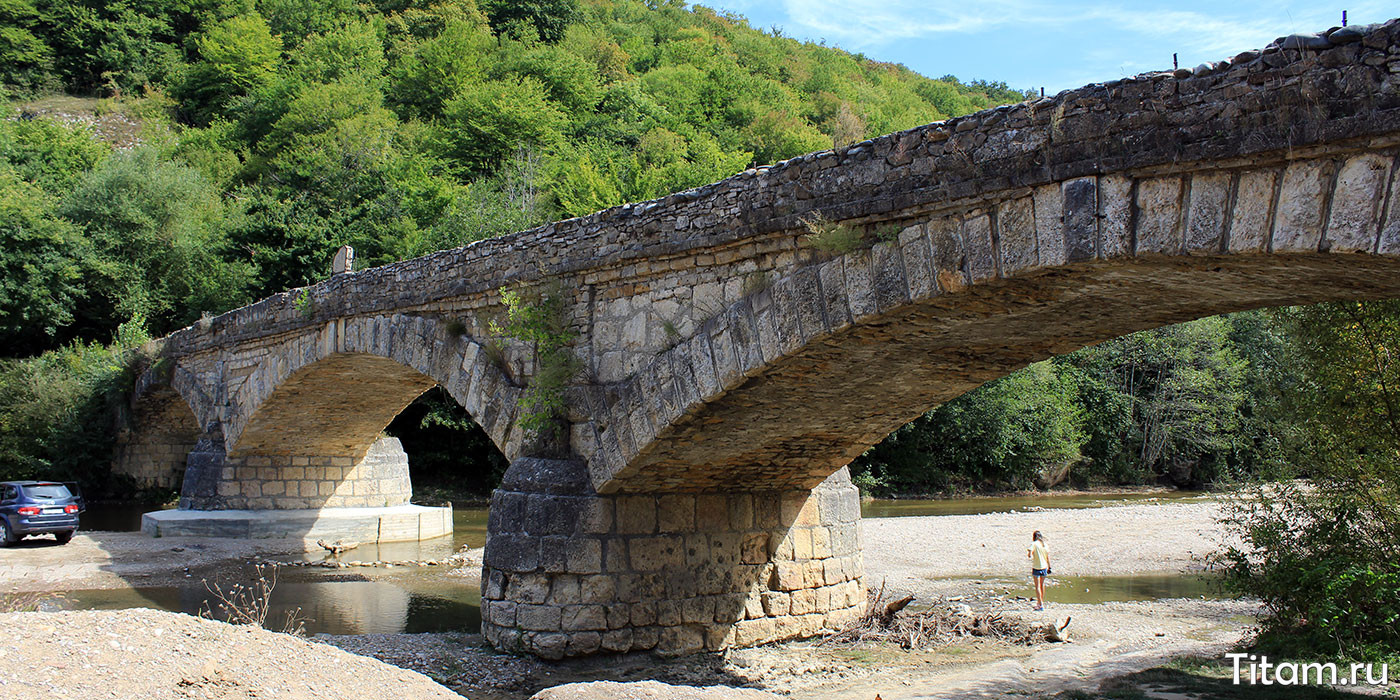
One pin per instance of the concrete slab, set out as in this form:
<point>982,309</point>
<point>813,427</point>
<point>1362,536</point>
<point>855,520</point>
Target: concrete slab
<point>389,524</point>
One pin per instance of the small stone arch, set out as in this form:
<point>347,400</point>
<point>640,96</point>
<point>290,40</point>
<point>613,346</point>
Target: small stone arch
<point>332,390</point>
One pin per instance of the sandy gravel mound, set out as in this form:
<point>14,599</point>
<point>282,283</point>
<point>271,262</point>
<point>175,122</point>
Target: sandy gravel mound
<point>155,655</point>
<point>647,690</point>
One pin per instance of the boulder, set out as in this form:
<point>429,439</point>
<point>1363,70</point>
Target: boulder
<point>648,690</point>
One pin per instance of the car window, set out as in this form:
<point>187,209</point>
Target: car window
<point>47,491</point>
<point>10,493</point>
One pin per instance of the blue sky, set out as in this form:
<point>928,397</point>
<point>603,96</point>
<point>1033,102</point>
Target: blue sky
<point>1056,45</point>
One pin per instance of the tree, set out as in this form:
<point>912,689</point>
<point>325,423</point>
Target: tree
<point>1324,556</point>
<point>237,56</point>
<point>158,241</point>
<point>42,259</point>
<point>544,19</point>
<point>488,121</point>
<point>25,60</point>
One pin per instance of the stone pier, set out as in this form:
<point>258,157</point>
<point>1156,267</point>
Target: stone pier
<point>313,497</point>
<point>570,572</point>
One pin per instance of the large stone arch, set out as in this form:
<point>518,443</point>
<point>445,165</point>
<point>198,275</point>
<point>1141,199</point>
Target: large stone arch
<point>790,383</point>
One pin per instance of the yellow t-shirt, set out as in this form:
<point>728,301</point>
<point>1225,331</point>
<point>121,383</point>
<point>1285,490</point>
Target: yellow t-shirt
<point>1040,556</point>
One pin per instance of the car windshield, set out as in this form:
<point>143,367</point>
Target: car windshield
<point>47,491</point>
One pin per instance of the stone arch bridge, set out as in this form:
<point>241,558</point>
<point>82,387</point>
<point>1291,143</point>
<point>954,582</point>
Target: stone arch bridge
<point>731,367</point>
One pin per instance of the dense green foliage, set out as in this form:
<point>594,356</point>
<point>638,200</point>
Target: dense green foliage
<point>1324,555</point>
<point>1186,405</point>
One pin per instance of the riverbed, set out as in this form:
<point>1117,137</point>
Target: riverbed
<point>1108,547</point>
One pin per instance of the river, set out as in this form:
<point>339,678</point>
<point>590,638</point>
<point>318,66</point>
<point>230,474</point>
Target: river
<point>428,599</point>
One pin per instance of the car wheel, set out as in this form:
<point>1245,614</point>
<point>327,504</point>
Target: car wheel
<point>63,537</point>
<point>6,534</point>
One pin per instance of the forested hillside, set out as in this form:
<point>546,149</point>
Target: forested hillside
<point>275,131</point>
<point>255,137</point>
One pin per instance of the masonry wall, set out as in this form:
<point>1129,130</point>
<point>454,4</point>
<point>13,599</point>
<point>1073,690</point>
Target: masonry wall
<point>282,482</point>
<point>153,450</point>
<point>568,572</point>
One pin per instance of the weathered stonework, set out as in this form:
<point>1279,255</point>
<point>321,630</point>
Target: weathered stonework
<point>284,482</point>
<point>569,572</point>
<point>726,357</point>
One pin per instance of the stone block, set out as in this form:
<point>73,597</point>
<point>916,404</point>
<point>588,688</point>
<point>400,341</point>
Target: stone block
<point>617,641</point>
<point>749,633</point>
<point>1015,235</point>
<point>860,288</point>
<point>741,511</point>
<point>1354,216</point>
<point>564,591</point>
<point>1298,215</point>
<point>676,512</point>
<point>754,548</point>
<point>1048,202</point>
<point>584,555</point>
<point>821,542</point>
<point>1159,216</point>
<point>582,643</point>
<point>711,512</point>
<point>679,641</point>
<point>697,550</point>
<point>1115,216</point>
<point>645,638</point>
<point>596,589</point>
<point>1081,231</point>
<point>583,617</point>
<point>636,515</point>
<point>1253,212</point>
<point>656,553</point>
<point>697,610</point>
<point>801,538</point>
<point>1206,213</point>
<point>977,242</point>
<point>776,603</point>
<point>538,617</point>
<point>787,576</point>
<point>643,614</point>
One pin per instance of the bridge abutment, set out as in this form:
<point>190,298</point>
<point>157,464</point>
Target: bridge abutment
<point>570,572</point>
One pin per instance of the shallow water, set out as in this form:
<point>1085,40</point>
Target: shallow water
<point>895,508</point>
<point>1090,590</point>
<point>413,604</point>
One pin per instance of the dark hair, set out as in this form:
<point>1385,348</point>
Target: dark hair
<point>1037,536</point>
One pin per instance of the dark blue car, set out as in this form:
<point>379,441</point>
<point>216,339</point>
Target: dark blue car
<point>38,508</point>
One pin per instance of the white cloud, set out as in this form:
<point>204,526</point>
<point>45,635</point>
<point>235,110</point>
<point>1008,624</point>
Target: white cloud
<point>863,24</point>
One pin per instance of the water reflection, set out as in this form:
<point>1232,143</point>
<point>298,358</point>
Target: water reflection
<point>331,607</point>
<point>1091,590</point>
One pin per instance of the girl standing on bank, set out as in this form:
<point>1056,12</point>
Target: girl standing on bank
<point>1040,567</point>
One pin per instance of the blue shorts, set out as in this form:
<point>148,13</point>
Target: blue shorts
<point>1042,573</point>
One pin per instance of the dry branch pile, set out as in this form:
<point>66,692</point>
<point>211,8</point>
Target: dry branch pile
<point>941,623</point>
